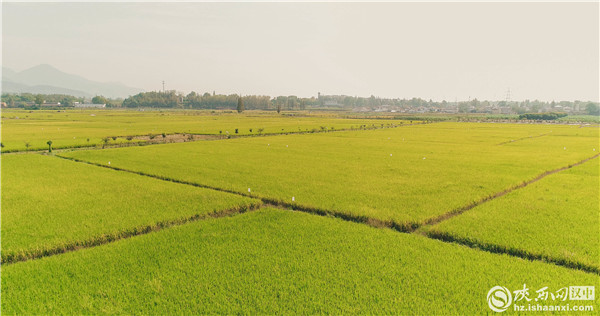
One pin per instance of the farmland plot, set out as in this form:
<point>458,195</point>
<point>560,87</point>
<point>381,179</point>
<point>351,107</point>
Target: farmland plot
<point>274,262</point>
<point>555,218</point>
<point>407,175</point>
<point>51,204</point>
<point>88,127</point>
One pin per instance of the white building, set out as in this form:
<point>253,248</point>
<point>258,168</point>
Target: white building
<point>89,105</point>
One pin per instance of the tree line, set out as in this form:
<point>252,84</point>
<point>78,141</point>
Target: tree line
<point>194,100</point>
<point>542,116</point>
<point>28,99</point>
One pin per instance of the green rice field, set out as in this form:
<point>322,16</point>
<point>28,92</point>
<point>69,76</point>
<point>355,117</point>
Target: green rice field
<point>418,219</point>
<point>30,130</point>
<point>388,174</point>
<point>271,262</point>
<point>49,204</point>
<point>539,218</point>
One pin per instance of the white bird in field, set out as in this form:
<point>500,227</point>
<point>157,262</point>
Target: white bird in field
<point>293,199</point>
<point>109,162</point>
<point>424,158</point>
<point>565,148</point>
<point>286,145</point>
<point>390,155</point>
<point>248,189</point>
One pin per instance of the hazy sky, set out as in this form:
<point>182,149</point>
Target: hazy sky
<point>547,51</point>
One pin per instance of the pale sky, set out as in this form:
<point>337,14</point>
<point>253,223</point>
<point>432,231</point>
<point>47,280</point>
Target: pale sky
<point>546,51</point>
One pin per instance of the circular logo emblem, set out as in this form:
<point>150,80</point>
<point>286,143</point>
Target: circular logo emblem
<point>499,298</point>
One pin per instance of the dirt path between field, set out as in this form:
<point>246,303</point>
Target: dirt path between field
<point>497,248</point>
<point>522,138</point>
<point>157,139</point>
<point>443,217</point>
<point>10,257</point>
<point>401,227</point>
<point>511,251</point>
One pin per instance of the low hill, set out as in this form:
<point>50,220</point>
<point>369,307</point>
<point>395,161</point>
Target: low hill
<point>48,80</point>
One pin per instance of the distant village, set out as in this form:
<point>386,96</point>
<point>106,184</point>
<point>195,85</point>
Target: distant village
<point>490,107</point>
<point>417,105</point>
<point>193,100</point>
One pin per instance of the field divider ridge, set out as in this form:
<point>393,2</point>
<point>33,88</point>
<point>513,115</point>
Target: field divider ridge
<point>522,138</point>
<point>19,256</point>
<point>460,210</point>
<point>214,137</point>
<point>511,251</point>
<point>405,227</point>
<point>499,249</point>
<point>408,227</point>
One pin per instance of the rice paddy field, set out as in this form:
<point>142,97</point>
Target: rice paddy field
<point>418,219</point>
<point>387,175</point>
<point>30,130</point>
<point>271,261</point>
<point>49,204</point>
<point>560,204</point>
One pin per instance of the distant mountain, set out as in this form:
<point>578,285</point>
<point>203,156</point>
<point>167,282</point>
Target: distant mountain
<point>47,79</point>
<point>8,72</point>
<point>13,87</point>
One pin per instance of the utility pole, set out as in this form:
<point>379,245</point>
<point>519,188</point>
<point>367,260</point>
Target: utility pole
<point>163,86</point>
<point>508,96</point>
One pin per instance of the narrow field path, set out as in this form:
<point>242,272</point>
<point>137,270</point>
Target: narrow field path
<point>416,228</point>
<point>443,217</point>
<point>402,227</point>
<point>523,138</point>
<point>500,249</point>
<point>124,234</point>
<point>511,251</point>
<point>184,137</point>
